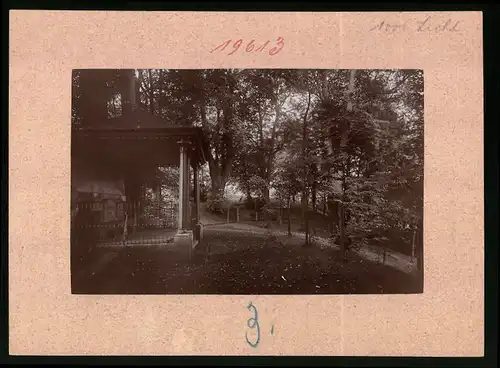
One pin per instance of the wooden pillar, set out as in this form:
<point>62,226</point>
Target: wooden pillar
<point>187,192</point>
<point>196,180</point>
<point>180,213</point>
<point>183,215</point>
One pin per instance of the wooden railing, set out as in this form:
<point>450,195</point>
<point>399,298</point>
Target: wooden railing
<point>96,221</point>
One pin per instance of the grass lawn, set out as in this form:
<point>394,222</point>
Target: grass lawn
<point>245,262</point>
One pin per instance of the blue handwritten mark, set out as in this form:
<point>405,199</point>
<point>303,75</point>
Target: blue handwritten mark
<point>253,323</point>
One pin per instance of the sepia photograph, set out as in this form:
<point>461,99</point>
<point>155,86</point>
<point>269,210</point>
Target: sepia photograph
<point>247,181</point>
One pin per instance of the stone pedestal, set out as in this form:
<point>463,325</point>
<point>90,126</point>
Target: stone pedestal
<point>198,232</point>
<point>183,243</point>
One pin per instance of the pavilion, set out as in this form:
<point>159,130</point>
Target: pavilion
<point>137,138</point>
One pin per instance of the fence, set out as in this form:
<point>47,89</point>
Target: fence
<point>105,221</point>
<point>240,213</point>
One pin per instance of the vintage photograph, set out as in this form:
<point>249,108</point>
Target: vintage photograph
<point>247,181</point>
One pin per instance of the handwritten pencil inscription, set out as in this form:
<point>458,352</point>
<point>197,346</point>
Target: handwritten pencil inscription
<point>429,24</point>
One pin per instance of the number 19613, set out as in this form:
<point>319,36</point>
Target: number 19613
<point>251,46</point>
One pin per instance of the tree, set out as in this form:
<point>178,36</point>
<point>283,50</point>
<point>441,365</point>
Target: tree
<point>367,141</point>
<point>286,182</point>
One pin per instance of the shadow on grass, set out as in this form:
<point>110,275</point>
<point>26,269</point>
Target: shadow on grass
<point>244,264</point>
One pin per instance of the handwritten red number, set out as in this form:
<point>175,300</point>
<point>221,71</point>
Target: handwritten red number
<point>280,43</point>
<point>250,46</point>
<point>223,45</point>
<point>278,47</point>
<point>262,47</point>
<point>236,46</point>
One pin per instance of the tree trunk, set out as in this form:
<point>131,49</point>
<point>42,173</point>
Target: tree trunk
<point>158,208</point>
<point>313,195</point>
<point>324,205</point>
<point>307,243</point>
<point>151,100</point>
<point>218,187</point>
<point>220,165</point>
<point>256,212</point>
<point>413,245</point>
<point>270,158</point>
<point>333,215</point>
<point>303,202</point>
<point>306,166</point>
<point>161,83</point>
<point>342,215</point>
<point>144,87</point>
<point>280,212</point>
<point>342,231</point>
<point>289,218</point>
<point>265,193</point>
<point>214,167</point>
<point>137,93</point>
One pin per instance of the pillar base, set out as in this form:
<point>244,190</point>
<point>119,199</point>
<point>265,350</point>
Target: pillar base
<point>184,243</point>
<point>198,232</point>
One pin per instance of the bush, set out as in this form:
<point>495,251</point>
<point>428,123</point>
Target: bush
<point>216,204</point>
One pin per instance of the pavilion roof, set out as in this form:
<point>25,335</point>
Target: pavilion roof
<point>140,124</point>
<point>138,118</point>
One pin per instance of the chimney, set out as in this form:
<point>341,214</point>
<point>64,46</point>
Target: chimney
<point>133,89</point>
<point>129,91</point>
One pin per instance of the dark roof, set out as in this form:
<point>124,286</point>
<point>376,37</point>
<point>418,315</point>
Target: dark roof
<point>141,123</point>
<point>137,119</point>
